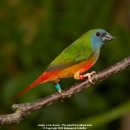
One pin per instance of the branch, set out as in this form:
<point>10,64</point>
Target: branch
<point>22,110</point>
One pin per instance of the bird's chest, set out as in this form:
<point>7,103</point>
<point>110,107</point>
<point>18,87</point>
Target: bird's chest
<point>89,63</point>
<point>80,67</point>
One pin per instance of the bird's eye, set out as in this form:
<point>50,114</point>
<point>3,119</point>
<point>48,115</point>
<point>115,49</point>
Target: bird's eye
<point>97,33</point>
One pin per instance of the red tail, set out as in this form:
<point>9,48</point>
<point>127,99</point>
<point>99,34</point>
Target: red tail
<point>43,78</point>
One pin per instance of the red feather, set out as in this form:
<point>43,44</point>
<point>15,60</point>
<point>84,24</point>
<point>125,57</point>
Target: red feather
<point>45,77</point>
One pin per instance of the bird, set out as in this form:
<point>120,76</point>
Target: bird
<point>74,60</point>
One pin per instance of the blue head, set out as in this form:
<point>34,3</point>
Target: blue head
<point>99,37</point>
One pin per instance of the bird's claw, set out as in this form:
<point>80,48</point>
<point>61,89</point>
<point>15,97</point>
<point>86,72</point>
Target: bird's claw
<point>60,92</point>
<point>89,75</point>
<point>81,77</point>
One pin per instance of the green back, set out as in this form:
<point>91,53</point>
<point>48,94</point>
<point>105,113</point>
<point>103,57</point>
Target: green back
<point>78,51</point>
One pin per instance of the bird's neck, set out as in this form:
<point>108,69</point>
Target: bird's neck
<point>96,44</point>
<point>96,50</point>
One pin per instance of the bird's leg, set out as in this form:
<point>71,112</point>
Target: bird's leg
<point>79,76</point>
<point>58,88</point>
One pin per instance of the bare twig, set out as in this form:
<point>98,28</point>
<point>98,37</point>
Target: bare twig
<point>24,109</point>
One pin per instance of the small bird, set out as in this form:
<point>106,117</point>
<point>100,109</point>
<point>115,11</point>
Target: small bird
<point>74,60</point>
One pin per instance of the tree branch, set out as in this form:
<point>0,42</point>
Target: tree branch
<point>22,110</point>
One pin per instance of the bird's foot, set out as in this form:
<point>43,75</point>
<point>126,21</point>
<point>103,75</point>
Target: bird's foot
<point>89,75</point>
<point>58,88</point>
<point>79,76</point>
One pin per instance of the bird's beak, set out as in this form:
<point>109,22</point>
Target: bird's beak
<point>107,37</point>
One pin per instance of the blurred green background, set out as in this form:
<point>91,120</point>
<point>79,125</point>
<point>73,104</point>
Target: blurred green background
<point>34,32</point>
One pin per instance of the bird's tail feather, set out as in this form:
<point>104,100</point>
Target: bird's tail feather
<point>42,79</point>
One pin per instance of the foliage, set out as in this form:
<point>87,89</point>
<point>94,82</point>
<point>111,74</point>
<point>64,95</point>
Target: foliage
<point>33,33</point>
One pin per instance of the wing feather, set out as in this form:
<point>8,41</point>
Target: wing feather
<point>73,54</point>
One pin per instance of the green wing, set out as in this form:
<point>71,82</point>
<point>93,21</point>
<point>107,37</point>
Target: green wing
<point>79,51</point>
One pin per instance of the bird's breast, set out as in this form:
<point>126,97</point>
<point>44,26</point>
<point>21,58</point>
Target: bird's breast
<point>80,67</point>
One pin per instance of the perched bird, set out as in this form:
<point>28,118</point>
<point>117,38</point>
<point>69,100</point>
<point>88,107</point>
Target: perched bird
<point>74,60</point>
